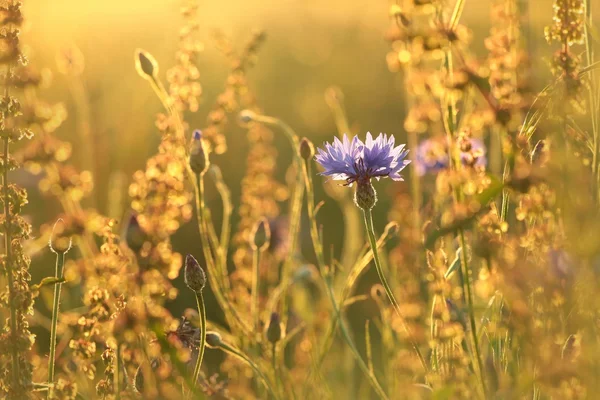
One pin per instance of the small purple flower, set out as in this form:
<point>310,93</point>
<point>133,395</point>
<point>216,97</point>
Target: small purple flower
<point>355,161</point>
<point>432,155</point>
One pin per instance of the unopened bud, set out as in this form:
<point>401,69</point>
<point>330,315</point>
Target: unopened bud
<point>199,162</point>
<point>377,292</point>
<point>135,236</point>
<point>365,195</point>
<point>59,243</point>
<point>260,237</point>
<point>307,149</point>
<point>193,274</point>
<point>274,331</point>
<point>146,65</point>
<point>213,339</point>
<point>247,116</point>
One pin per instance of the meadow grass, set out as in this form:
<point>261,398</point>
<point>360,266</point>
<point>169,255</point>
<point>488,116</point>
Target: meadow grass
<point>482,284</point>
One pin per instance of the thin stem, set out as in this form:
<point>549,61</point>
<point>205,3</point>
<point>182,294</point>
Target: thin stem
<point>230,314</point>
<point>202,344</point>
<point>255,287</point>
<point>318,248</point>
<point>296,202</point>
<point>593,100</point>
<point>118,372</point>
<point>475,339</point>
<point>388,290</point>
<point>275,369</point>
<point>58,274</point>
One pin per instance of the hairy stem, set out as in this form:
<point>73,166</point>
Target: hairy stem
<point>255,288</point>
<point>318,248</point>
<point>58,274</point>
<point>388,290</point>
<point>202,344</point>
<point>230,314</point>
<point>475,339</point>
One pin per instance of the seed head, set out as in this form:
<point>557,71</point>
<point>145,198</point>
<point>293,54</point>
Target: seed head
<point>199,162</point>
<point>307,149</point>
<point>194,275</point>
<point>146,65</point>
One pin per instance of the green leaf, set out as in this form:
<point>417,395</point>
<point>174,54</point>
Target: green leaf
<point>455,264</point>
<point>47,281</point>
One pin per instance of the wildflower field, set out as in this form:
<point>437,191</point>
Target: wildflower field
<point>267,199</point>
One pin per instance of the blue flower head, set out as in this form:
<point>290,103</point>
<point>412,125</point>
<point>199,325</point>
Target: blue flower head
<point>355,161</point>
<point>432,155</point>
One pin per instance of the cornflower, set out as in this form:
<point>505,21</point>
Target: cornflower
<point>355,161</point>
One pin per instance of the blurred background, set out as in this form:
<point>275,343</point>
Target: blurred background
<point>310,46</point>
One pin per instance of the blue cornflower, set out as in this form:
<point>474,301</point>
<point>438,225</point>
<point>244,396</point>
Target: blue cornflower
<point>355,161</point>
<point>432,155</point>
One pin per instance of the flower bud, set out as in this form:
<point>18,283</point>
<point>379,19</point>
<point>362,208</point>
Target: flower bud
<point>247,116</point>
<point>194,275</point>
<point>59,243</point>
<point>135,237</point>
<point>213,339</point>
<point>365,195</point>
<point>199,162</point>
<point>146,65</point>
<point>274,330</point>
<point>307,149</point>
<point>260,236</point>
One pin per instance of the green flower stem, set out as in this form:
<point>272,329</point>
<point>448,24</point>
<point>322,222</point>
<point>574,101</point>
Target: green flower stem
<point>231,315</point>
<point>355,272</point>
<point>226,222</point>
<point>58,274</point>
<point>373,242</point>
<point>475,338</point>
<point>454,156</point>
<point>254,312</point>
<point>278,380</point>
<point>296,202</point>
<point>239,354</point>
<point>202,344</point>
<point>314,233</point>
<point>118,373</point>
